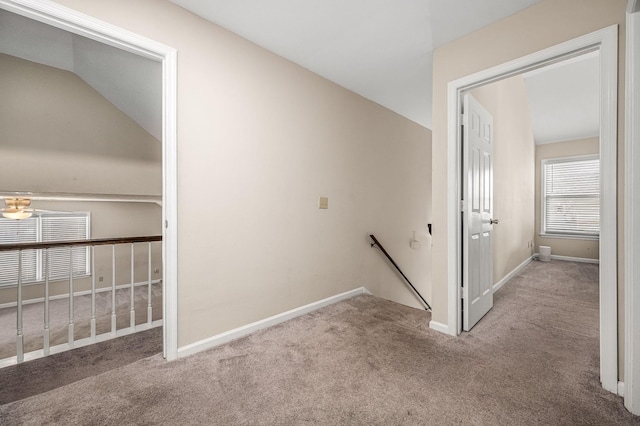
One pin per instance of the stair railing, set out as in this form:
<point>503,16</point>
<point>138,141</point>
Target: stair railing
<point>47,349</point>
<point>377,243</point>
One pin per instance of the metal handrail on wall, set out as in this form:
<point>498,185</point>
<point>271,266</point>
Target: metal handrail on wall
<point>47,349</point>
<point>377,243</point>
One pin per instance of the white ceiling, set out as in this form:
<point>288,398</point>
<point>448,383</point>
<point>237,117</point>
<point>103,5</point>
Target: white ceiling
<point>130,82</point>
<point>564,100</point>
<point>379,49</point>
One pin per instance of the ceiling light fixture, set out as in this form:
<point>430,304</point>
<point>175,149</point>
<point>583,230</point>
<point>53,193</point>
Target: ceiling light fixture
<point>17,208</point>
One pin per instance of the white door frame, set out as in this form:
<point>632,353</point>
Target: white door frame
<point>632,211</point>
<point>606,41</point>
<point>69,20</point>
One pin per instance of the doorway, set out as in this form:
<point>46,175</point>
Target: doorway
<point>545,130</point>
<point>605,42</point>
<point>93,29</point>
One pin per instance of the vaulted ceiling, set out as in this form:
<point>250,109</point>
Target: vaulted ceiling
<point>130,82</point>
<point>564,99</point>
<point>379,49</point>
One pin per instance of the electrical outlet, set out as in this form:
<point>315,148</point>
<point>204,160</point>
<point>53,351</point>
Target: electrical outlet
<point>156,270</point>
<point>100,279</point>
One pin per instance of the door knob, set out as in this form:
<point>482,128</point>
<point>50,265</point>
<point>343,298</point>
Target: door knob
<point>493,221</point>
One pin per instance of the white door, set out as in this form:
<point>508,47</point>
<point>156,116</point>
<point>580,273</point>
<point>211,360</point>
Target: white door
<point>477,221</point>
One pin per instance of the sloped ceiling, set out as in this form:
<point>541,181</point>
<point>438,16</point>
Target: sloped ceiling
<point>379,49</point>
<point>130,82</point>
<point>564,100</point>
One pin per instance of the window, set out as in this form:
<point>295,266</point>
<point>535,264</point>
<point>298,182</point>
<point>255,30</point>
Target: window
<point>571,197</point>
<point>46,227</point>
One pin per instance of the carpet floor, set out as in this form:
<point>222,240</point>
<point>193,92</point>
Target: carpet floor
<point>533,359</point>
<point>55,371</point>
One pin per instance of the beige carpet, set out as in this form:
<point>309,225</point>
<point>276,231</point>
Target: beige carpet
<point>46,374</point>
<point>532,360</point>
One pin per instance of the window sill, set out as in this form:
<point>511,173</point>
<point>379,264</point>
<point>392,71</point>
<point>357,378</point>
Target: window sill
<point>571,237</point>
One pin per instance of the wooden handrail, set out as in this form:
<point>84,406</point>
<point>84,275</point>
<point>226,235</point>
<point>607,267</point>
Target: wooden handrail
<point>377,243</point>
<point>94,242</point>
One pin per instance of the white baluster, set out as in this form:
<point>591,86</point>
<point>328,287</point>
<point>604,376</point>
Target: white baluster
<point>71,325</point>
<point>149,308</point>
<point>132,322</point>
<point>113,289</point>
<point>19,337</point>
<point>47,332</point>
<point>93,292</point>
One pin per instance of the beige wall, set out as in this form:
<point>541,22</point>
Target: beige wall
<point>543,25</point>
<point>588,249</point>
<point>259,139</point>
<point>108,220</point>
<point>60,135</point>
<point>513,176</point>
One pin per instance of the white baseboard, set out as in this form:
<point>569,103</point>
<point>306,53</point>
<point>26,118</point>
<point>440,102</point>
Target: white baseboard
<point>621,388</point>
<point>497,286</point>
<point>570,258</point>
<point>444,328</point>
<point>575,259</point>
<point>75,294</point>
<point>239,332</point>
<point>440,327</point>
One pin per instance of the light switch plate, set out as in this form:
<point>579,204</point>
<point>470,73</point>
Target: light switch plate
<point>323,202</point>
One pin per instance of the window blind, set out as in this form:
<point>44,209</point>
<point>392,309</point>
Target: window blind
<point>65,228</point>
<point>47,227</point>
<point>571,190</point>
<point>18,231</point>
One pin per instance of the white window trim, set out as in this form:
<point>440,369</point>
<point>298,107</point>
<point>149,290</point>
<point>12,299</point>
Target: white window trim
<point>570,236</point>
<point>543,201</point>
